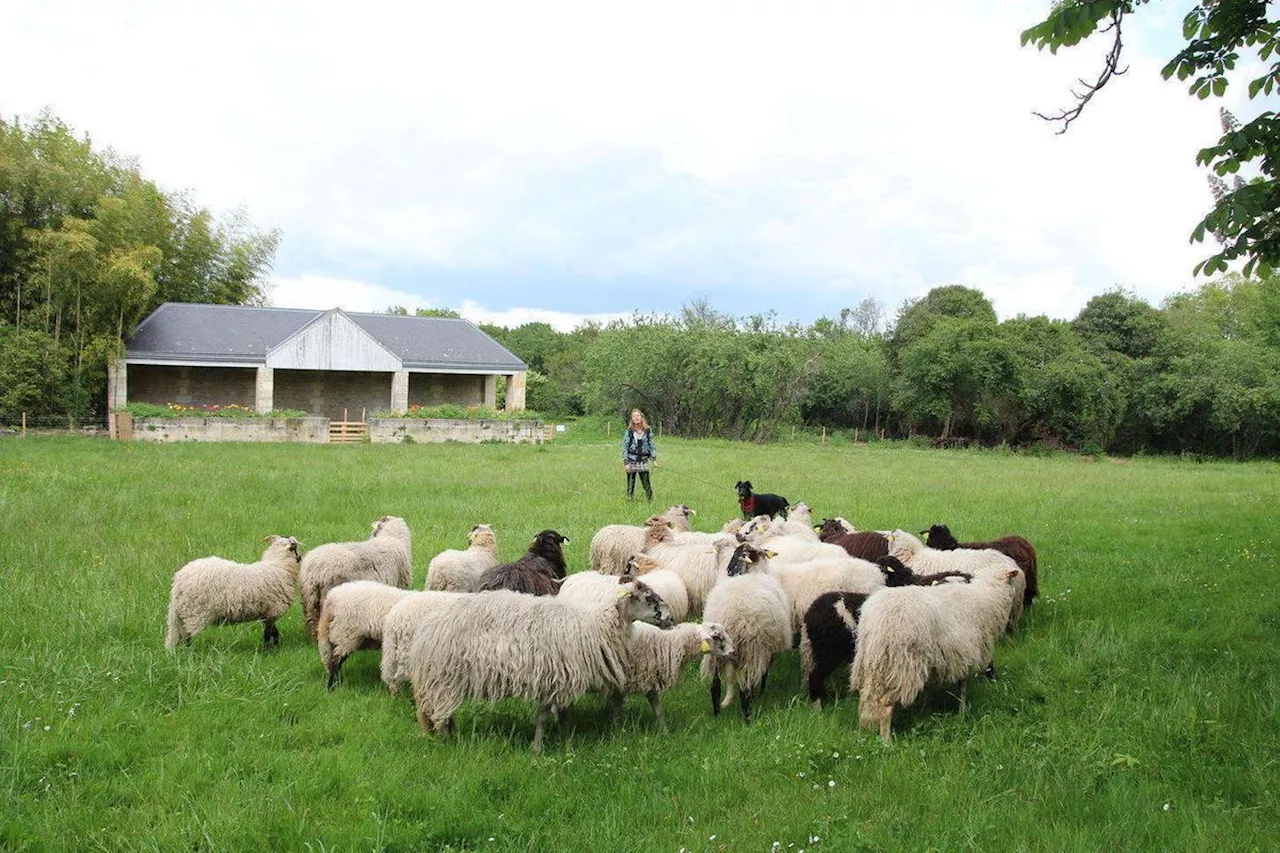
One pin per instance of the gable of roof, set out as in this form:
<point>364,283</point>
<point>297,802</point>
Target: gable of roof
<point>179,333</point>
<point>332,341</point>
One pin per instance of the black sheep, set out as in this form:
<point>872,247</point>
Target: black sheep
<point>867,545</point>
<point>829,637</point>
<point>897,573</point>
<point>759,504</point>
<point>538,572</point>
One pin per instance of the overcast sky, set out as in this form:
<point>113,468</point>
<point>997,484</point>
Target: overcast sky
<point>557,160</point>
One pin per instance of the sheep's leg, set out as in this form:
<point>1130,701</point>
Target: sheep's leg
<point>424,721</point>
<point>964,694</point>
<point>822,669</point>
<point>744,699</point>
<point>763,679</point>
<point>543,713</point>
<point>990,671</point>
<point>335,664</point>
<point>886,721</point>
<point>655,701</point>
<point>716,693</point>
<point>270,633</point>
<point>450,727</point>
<point>616,701</point>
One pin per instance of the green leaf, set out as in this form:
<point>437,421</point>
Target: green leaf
<point>1256,86</point>
<point>1219,86</point>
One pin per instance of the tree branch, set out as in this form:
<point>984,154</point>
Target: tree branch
<point>1110,69</point>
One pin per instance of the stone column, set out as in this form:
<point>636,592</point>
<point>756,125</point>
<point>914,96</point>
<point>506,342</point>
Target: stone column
<point>400,391</point>
<point>515,391</point>
<point>491,390</point>
<point>264,391</point>
<point>117,385</point>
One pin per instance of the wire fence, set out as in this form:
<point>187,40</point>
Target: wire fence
<point>26,424</point>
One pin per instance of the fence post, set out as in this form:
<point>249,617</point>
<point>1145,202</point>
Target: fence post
<point>824,435</point>
<point>24,424</point>
<point>363,419</point>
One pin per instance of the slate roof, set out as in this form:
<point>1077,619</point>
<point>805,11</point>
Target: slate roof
<point>179,332</point>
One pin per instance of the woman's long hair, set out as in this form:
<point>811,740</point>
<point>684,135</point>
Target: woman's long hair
<point>644,424</point>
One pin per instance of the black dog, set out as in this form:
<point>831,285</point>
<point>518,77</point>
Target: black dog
<point>762,504</point>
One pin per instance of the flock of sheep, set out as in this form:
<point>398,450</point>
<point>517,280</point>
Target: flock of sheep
<point>903,612</point>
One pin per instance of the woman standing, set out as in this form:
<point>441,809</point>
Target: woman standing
<point>638,451</point>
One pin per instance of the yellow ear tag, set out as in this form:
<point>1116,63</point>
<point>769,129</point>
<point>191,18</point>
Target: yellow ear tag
<point>623,594</point>
<point>706,646</point>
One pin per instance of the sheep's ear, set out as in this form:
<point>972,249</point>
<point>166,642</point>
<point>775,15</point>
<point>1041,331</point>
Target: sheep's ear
<point>770,554</point>
<point>1010,575</point>
<point>271,537</point>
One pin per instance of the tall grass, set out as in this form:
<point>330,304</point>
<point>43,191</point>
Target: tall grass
<point>1136,709</point>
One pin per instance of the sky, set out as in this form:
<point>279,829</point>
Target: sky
<point>564,160</point>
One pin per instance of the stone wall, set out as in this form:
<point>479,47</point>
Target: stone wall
<point>434,389</point>
<point>192,386</point>
<point>433,430</point>
<point>307,430</point>
<point>327,394</point>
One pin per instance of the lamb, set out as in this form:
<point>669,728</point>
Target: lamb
<point>912,635</point>
<point>351,619</point>
<point>912,552</point>
<point>387,556</point>
<point>828,638</point>
<point>538,572</point>
<point>543,649</point>
<point>614,543</point>
<point>664,582</point>
<point>213,590</point>
<point>865,546</point>
<point>459,571</point>
<point>753,504</point>
<point>753,609</point>
<point>1019,549</point>
<point>657,658</point>
<point>398,629</point>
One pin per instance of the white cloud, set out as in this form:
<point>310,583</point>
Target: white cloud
<point>312,291</point>
<point>563,321</point>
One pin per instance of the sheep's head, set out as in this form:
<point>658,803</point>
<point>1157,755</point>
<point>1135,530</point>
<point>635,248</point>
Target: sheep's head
<point>640,603</point>
<point>547,542</point>
<point>732,526</point>
<point>657,529</point>
<point>746,557</point>
<point>895,573</point>
<point>638,564</point>
<point>285,543</point>
<point>715,641</point>
<point>939,536</point>
<point>388,524</point>
<point>480,533</point>
<point>830,528</point>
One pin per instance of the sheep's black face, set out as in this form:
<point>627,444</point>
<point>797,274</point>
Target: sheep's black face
<point>744,557</point>
<point>647,606</point>
<point>894,570</point>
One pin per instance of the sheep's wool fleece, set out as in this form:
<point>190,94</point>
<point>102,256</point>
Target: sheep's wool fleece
<point>658,657</point>
<point>670,587</point>
<point>804,582</point>
<point>754,611</point>
<point>912,634</point>
<point>386,557</point>
<point>399,627</point>
<point>924,560</point>
<point>696,565</point>
<point>501,644</point>
<point>354,612</point>
<point>591,588</point>
<point>213,589</point>
<point>460,571</point>
<point>613,544</point>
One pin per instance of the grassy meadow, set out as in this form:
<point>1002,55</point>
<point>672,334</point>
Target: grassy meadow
<point>1137,708</point>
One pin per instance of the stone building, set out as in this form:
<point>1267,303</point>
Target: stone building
<point>320,362</point>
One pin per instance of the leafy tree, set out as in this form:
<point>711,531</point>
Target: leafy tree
<point>1244,218</point>
<point>1118,322</point>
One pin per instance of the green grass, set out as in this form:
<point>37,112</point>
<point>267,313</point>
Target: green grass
<point>1136,710</point>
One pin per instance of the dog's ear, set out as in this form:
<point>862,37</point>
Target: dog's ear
<point>746,484</point>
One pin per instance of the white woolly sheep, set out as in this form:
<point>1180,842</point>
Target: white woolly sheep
<point>924,560</point>
<point>351,619</point>
<point>788,548</point>
<point>657,658</point>
<point>697,565</point>
<point>753,609</point>
<point>544,649</point>
<point>386,556</point>
<point>213,590</point>
<point>459,571</point>
<point>798,523</point>
<point>614,543</point>
<point>664,582</point>
<point>911,635</point>
<point>399,628</point>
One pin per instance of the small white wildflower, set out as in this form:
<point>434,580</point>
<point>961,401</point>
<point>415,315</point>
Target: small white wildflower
<point>835,755</point>
<point>777,845</point>
<point>813,839</point>
<point>817,787</point>
<point>1168,806</point>
<point>491,839</point>
<point>800,774</point>
<point>831,783</point>
<point>712,838</point>
<point>46,728</point>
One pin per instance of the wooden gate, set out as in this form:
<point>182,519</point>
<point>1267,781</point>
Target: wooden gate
<point>348,432</point>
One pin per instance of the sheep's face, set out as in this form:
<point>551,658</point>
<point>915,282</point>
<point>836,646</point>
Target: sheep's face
<point>547,539</point>
<point>644,605</point>
<point>681,510</point>
<point>895,573</point>
<point>285,543</point>
<point>638,564</point>
<point>746,557</point>
<point>715,641</point>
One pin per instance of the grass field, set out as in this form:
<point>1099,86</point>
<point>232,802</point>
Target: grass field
<point>1137,708</point>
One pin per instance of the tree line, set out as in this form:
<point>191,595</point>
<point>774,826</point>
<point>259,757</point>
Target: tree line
<point>1200,374</point>
<point>88,248</point>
